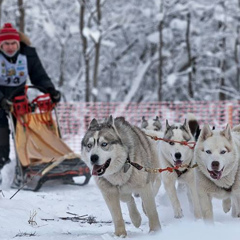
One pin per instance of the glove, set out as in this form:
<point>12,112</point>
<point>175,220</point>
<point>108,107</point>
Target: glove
<point>6,104</point>
<point>55,95</point>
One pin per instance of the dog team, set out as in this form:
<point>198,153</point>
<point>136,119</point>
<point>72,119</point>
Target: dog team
<point>129,161</point>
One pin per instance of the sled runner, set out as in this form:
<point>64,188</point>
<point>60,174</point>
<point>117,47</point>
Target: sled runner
<point>41,154</point>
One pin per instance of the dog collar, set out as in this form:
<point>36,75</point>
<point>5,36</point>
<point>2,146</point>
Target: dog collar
<point>179,173</point>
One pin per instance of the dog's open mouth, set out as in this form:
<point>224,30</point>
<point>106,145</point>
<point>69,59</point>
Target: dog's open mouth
<point>99,170</point>
<point>215,174</point>
<point>178,163</point>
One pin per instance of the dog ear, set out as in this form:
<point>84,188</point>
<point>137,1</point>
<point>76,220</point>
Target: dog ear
<point>144,122</point>
<point>186,127</point>
<point>205,132</point>
<point>157,123</point>
<point>227,132</point>
<point>110,120</point>
<point>236,128</point>
<point>93,123</point>
<point>167,125</point>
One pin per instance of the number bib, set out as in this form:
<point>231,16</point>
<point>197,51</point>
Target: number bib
<point>13,74</point>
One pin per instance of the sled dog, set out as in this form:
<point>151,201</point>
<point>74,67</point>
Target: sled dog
<point>152,127</point>
<point>107,148</point>
<point>218,172</point>
<point>175,154</point>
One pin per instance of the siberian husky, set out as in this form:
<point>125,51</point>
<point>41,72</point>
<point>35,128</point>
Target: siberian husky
<point>107,148</point>
<point>218,172</point>
<point>174,154</point>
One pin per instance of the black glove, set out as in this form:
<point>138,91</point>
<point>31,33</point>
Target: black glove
<point>55,95</point>
<point>6,104</point>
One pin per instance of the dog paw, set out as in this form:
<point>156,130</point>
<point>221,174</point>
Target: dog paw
<point>136,220</point>
<point>121,233</point>
<point>178,214</point>
<point>236,215</point>
<point>155,229</point>
<point>197,214</point>
<point>226,204</point>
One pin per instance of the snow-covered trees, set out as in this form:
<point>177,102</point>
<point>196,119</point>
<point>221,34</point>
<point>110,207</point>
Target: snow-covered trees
<point>131,50</point>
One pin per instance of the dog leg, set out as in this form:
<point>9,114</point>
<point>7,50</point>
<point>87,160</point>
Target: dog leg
<point>157,185</point>
<point>226,204</point>
<point>206,205</point>
<point>190,200</point>
<point>132,208</point>
<point>193,197</point>
<point>236,206</point>
<point>169,184</point>
<point>112,199</point>
<point>150,207</point>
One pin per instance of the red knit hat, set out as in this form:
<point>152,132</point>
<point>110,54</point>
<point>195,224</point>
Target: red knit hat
<point>8,33</point>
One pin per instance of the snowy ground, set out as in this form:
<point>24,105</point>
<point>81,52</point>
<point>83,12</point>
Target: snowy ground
<point>55,205</point>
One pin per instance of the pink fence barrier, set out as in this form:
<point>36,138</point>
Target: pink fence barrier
<point>74,118</point>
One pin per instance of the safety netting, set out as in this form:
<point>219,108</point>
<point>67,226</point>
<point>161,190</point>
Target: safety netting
<point>75,117</point>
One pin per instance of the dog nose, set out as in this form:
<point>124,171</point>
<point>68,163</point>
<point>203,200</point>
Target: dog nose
<point>215,165</point>
<point>94,158</point>
<point>178,155</point>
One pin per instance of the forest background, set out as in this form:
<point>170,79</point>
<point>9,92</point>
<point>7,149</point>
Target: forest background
<point>148,50</point>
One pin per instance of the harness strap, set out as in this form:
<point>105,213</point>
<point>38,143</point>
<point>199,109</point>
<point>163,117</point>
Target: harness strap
<point>179,173</point>
<point>159,170</point>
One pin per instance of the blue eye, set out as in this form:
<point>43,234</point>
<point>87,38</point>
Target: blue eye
<point>208,152</point>
<point>104,144</point>
<point>223,152</point>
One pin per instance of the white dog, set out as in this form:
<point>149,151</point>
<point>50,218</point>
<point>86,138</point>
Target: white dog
<point>218,172</point>
<point>175,154</point>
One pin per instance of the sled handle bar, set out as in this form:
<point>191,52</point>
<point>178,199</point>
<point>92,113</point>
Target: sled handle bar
<point>23,89</point>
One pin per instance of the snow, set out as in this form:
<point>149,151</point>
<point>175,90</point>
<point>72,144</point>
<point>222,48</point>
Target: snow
<point>93,34</point>
<point>55,205</point>
<point>172,78</point>
<point>178,24</point>
<point>154,37</point>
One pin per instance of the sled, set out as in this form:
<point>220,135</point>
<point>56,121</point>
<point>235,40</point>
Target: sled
<point>41,154</point>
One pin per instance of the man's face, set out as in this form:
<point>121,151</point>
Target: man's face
<point>10,47</point>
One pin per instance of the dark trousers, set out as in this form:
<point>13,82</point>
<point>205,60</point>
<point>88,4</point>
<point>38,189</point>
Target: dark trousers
<point>4,139</point>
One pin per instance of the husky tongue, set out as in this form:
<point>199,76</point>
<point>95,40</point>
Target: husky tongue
<point>99,170</point>
<point>178,163</point>
<point>215,174</point>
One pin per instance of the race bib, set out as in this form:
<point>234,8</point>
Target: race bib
<point>13,74</point>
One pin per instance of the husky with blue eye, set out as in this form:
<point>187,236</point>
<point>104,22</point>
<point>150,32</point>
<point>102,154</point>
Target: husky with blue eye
<point>218,172</point>
<point>107,149</point>
<point>174,154</point>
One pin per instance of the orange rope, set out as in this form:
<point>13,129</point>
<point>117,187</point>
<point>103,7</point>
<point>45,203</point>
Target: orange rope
<point>191,145</point>
<point>159,170</point>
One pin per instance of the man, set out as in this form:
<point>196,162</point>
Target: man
<point>17,62</point>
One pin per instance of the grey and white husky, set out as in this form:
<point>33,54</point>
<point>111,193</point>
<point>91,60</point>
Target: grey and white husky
<point>107,148</point>
<point>174,154</point>
<point>217,154</point>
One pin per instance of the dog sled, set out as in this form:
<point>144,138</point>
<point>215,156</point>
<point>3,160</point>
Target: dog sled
<point>41,154</point>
